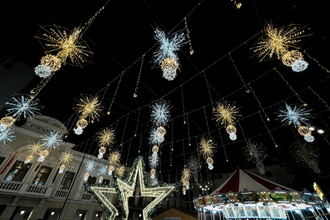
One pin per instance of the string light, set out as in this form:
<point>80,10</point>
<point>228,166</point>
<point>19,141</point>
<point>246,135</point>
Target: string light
<point>135,94</point>
<point>188,36</point>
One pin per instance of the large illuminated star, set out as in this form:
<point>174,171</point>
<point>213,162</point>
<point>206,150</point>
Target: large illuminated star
<point>125,189</point>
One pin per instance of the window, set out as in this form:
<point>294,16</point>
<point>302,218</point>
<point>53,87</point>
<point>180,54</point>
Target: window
<point>2,159</point>
<point>106,182</point>
<point>18,171</point>
<point>67,180</point>
<point>42,176</point>
<point>91,180</point>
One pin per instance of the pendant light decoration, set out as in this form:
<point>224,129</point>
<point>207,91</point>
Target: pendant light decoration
<point>299,118</point>
<point>283,43</point>
<point>166,55</point>
<point>89,169</point>
<point>307,155</point>
<point>113,162</point>
<point>185,180</point>
<point>194,166</point>
<point>65,159</point>
<point>101,172</point>
<point>153,161</point>
<point>206,149</point>
<point>105,139</point>
<point>226,114</point>
<point>89,110</point>
<point>34,150</point>
<point>256,153</point>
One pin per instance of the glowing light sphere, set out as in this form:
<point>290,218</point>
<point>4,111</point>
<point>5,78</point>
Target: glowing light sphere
<point>291,56</point>
<point>155,149</point>
<point>153,160</point>
<point>304,130</point>
<point>43,71</point>
<point>169,67</point>
<point>82,123</point>
<point>111,169</point>
<point>100,179</point>
<point>209,161</point>
<point>299,66</point>
<point>152,173</point>
<point>210,167</point>
<point>294,115</point>
<point>7,121</point>
<point>61,169</point>
<point>102,150</point>
<point>160,113</point>
<point>53,62</point>
<point>86,176</point>
<point>22,106</point>
<point>7,135</point>
<point>78,130</point>
<point>42,155</point>
<point>309,138</point>
<point>161,130</point>
<point>231,129</point>
<point>233,136</point>
<point>28,159</point>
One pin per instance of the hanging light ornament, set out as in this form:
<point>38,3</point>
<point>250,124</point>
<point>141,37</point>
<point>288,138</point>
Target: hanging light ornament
<point>102,171</point>
<point>161,131</point>
<point>166,55</point>
<point>22,107</point>
<point>298,117</point>
<point>185,178</point>
<point>121,171</point>
<point>7,135</point>
<point>295,60</point>
<point>113,161</point>
<point>105,138</point>
<point>34,149</point>
<point>152,173</point>
<point>226,114</point>
<point>206,148</point>
<point>102,151</point>
<point>42,155</point>
<point>155,137</point>
<point>194,166</point>
<point>256,153</point>
<point>52,140</point>
<point>306,154</point>
<point>89,168</point>
<point>65,159</point>
<point>160,113</point>
<point>279,42</point>
<point>6,122</point>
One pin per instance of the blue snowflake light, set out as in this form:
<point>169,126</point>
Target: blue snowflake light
<point>90,165</point>
<point>155,138</point>
<point>52,140</point>
<point>294,115</point>
<point>153,160</point>
<point>102,169</point>
<point>22,106</point>
<point>160,113</point>
<point>7,135</point>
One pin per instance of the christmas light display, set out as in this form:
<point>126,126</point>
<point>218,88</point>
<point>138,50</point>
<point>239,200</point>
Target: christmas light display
<point>34,150</point>
<point>51,140</point>
<point>6,122</point>
<point>206,148</point>
<point>307,155</point>
<point>113,161</point>
<point>194,166</point>
<point>65,158</point>
<point>89,168</point>
<point>226,114</point>
<point>166,55</point>
<point>126,188</point>
<point>89,108</point>
<point>7,135</point>
<point>160,113</point>
<point>185,180</point>
<point>155,137</point>
<point>256,153</point>
<point>22,107</point>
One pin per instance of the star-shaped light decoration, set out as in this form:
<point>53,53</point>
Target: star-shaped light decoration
<point>125,189</point>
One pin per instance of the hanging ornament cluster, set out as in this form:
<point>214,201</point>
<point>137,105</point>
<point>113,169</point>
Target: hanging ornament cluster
<point>256,153</point>
<point>34,150</point>
<point>105,139</point>
<point>298,117</point>
<point>160,115</point>
<point>166,55</point>
<point>89,110</point>
<point>62,46</point>
<point>185,180</point>
<point>65,159</point>
<point>283,43</point>
<point>101,172</point>
<point>206,148</point>
<point>113,162</point>
<point>307,155</point>
<point>89,169</point>
<point>194,166</point>
<point>226,114</point>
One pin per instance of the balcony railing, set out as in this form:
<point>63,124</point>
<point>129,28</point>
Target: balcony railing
<point>23,188</point>
<point>61,193</point>
<point>8,186</point>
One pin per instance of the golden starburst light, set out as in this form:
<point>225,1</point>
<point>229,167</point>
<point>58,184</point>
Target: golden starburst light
<point>35,148</point>
<point>106,137</point>
<point>121,171</point>
<point>66,157</point>
<point>278,41</point>
<point>206,147</point>
<point>89,108</point>
<point>114,158</point>
<point>225,114</point>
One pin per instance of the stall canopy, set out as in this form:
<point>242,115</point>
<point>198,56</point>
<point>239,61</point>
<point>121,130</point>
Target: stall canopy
<point>243,180</point>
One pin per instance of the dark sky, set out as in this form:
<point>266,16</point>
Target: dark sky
<point>124,32</point>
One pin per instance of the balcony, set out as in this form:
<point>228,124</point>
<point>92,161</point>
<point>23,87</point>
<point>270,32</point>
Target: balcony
<point>23,188</point>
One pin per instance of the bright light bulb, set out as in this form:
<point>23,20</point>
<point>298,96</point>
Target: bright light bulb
<point>311,128</point>
<point>52,213</point>
<point>320,131</point>
<point>22,212</point>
